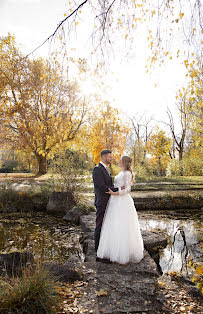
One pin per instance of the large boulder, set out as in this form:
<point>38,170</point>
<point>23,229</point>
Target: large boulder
<point>74,214</point>
<point>14,263</point>
<point>60,202</point>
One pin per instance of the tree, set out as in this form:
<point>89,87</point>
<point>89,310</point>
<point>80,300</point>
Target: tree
<point>138,138</point>
<point>179,139</point>
<point>190,112</point>
<point>112,17</point>
<point>194,96</point>
<point>159,145</point>
<point>39,105</point>
<point>107,132</point>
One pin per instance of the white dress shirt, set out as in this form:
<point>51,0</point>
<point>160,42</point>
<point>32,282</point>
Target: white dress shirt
<point>106,167</point>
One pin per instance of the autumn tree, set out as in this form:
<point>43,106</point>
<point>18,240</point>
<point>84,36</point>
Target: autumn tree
<point>167,22</point>
<point>108,131</point>
<point>159,146</point>
<point>40,107</point>
<point>187,131</point>
<point>194,96</point>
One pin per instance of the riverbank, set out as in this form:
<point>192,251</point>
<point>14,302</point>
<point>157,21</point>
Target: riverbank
<point>97,285</point>
<point>20,190</point>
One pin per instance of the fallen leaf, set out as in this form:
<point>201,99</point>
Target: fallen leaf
<point>101,292</point>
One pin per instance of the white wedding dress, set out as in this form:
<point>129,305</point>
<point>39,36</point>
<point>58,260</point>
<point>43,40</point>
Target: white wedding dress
<point>120,238</point>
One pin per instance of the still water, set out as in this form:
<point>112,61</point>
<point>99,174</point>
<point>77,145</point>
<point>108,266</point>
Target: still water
<point>184,234</point>
<point>51,239</point>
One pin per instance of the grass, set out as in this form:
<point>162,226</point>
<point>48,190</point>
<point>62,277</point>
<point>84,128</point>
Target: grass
<point>34,293</point>
<point>173,179</point>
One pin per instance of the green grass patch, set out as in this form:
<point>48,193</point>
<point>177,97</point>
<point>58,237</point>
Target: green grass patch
<point>175,179</point>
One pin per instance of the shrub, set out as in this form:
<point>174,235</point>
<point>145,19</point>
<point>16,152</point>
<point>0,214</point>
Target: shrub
<point>189,166</point>
<point>24,200</point>
<point>67,167</point>
<point>34,293</point>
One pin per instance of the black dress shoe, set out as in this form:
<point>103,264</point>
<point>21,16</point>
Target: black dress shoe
<point>103,260</point>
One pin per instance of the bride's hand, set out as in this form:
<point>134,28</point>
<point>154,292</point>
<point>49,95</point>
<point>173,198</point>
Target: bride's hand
<point>112,192</point>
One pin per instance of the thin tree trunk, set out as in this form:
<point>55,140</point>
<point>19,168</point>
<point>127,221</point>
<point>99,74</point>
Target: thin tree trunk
<point>159,168</point>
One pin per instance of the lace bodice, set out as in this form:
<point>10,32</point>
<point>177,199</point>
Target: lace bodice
<point>123,178</point>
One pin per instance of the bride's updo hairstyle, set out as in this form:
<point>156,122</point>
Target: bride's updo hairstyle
<point>127,163</point>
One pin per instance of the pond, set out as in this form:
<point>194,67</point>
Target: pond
<point>52,239</point>
<point>184,233</point>
<point>48,237</point>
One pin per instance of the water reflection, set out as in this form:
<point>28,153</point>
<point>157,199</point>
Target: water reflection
<point>184,231</point>
<point>49,238</point>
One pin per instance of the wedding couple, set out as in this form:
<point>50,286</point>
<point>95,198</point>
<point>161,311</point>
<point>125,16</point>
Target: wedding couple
<point>117,233</point>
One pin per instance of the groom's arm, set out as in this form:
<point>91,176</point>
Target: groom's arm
<point>99,181</point>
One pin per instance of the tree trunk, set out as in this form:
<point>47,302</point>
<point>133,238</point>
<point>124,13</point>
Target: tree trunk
<point>180,161</point>
<point>42,164</point>
<point>159,167</point>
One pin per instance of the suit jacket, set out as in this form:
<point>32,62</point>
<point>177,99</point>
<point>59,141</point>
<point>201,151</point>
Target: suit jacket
<point>102,182</point>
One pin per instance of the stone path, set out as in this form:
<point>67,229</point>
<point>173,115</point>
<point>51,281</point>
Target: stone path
<point>116,288</point>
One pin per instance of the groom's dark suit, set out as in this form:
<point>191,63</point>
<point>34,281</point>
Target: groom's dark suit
<point>102,182</point>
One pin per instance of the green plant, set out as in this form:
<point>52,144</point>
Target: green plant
<point>34,293</point>
<point>67,168</point>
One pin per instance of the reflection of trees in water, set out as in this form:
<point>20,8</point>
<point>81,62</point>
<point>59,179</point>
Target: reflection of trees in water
<point>184,236</point>
<point>44,241</point>
<point>179,244</point>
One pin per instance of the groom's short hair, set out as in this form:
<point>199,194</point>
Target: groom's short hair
<point>105,152</point>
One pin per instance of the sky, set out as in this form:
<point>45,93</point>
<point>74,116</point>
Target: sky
<point>129,88</point>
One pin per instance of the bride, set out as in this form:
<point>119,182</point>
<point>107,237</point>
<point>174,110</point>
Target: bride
<point>120,239</point>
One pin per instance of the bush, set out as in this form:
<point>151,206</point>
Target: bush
<point>9,165</point>
<point>24,201</point>
<point>67,167</point>
<point>34,293</point>
<point>141,171</point>
<point>188,166</point>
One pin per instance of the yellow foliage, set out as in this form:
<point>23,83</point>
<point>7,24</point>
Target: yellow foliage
<point>38,100</point>
<point>107,132</point>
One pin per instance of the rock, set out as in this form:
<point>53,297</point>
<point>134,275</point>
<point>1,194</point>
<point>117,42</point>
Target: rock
<point>73,261</point>
<point>129,288</point>
<point>63,273</point>
<point>153,240</point>
<point>20,187</point>
<point>195,292</point>
<point>14,263</point>
<point>60,202</point>
<point>73,215</point>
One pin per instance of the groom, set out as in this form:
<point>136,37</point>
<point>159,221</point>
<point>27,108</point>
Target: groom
<point>102,183</point>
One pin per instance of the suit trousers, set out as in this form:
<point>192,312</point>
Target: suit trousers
<point>100,211</point>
